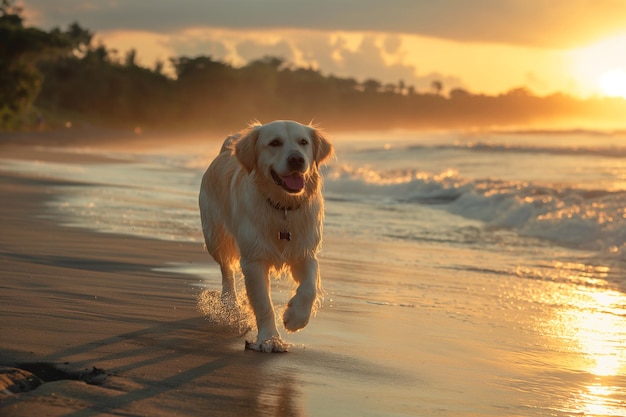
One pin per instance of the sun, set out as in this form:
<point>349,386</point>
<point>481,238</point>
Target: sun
<point>613,83</point>
<point>600,68</point>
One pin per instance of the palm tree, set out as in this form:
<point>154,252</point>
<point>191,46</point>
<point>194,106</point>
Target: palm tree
<point>401,87</point>
<point>437,86</point>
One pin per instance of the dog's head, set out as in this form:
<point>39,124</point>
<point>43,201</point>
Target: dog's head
<point>284,152</point>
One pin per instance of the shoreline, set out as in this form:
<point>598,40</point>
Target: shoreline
<point>79,300</point>
<point>100,137</point>
<point>111,136</point>
<point>112,324</point>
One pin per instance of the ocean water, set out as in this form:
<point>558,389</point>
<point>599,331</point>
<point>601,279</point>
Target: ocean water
<point>545,198</point>
<point>518,238</point>
<point>539,195</point>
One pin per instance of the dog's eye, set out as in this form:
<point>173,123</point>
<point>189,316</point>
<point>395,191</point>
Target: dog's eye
<point>275,143</point>
<point>303,142</point>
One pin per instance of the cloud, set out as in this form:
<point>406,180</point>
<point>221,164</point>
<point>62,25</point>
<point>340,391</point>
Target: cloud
<point>369,59</point>
<point>347,55</point>
<point>195,42</point>
<point>537,23</point>
<point>358,56</point>
<point>392,44</point>
<point>486,42</point>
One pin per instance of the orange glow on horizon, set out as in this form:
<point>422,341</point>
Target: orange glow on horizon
<point>598,69</point>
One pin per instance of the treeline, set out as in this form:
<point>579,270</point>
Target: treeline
<point>49,78</point>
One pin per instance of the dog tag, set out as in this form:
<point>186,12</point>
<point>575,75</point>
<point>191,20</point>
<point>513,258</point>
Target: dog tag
<point>285,236</point>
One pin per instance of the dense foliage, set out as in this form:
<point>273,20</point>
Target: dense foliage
<point>20,50</point>
<point>51,77</point>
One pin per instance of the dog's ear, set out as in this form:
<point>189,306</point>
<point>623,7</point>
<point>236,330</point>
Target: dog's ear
<point>245,148</point>
<point>323,149</point>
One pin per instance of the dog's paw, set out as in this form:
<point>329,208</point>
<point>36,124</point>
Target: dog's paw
<point>273,345</point>
<point>296,315</point>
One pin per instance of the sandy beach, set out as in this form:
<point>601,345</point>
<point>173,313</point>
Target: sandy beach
<point>110,324</point>
<point>73,300</point>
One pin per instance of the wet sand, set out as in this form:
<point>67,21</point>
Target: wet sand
<point>110,333</point>
<point>76,299</point>
<point>111,325</point>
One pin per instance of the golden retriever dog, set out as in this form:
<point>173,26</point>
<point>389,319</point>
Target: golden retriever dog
<point>261,208</point>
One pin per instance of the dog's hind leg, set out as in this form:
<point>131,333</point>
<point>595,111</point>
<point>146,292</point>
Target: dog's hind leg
<point>222,247</point>
<point>229,290</point>
<point>225,252</point>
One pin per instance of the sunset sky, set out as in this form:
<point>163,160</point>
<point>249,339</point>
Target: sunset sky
<point>484,46</point>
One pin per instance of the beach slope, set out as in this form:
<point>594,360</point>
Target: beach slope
<point>90,315</point>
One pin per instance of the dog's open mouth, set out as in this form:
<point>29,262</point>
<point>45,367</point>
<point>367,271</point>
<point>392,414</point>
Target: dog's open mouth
<point>292,183</point>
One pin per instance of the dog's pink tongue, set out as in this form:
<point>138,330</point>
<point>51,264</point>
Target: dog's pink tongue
<point>294,182</point>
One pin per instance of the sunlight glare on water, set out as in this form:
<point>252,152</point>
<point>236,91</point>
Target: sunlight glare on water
<point>503,254</point>
<point>591,323</point>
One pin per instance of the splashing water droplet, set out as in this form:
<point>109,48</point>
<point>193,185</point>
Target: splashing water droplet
<point>235,316</point>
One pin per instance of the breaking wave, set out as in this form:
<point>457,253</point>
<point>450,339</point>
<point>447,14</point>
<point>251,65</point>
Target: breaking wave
<point>465,143</point>
<point>575,217</point>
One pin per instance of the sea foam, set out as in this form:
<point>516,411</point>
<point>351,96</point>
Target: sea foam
<point>574,217</point>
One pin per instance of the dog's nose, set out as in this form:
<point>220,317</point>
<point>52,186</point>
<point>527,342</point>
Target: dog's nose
<point>295,161</point>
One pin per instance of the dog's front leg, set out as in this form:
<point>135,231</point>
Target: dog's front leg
<point>298,311</point>
<point>258,288</point>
